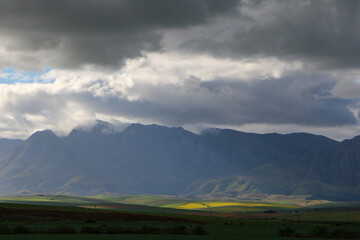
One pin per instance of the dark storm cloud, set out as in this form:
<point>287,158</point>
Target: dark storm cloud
<point>98,32</point>
<point>301,99</point>
<point>323,33</point>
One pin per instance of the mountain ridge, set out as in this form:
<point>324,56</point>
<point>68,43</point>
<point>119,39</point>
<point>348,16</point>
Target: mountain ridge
<point>153,159</point>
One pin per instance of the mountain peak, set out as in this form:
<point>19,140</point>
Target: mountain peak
<point>41,134</point>
<point>211,131</point>
<point>103,127</point>
<point>139,126</point>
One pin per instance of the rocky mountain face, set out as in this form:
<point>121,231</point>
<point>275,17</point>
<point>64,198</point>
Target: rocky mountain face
<point>152,159</point>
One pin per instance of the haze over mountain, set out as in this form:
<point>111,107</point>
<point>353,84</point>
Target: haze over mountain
<point>152,159</point>
<point>8,145</point>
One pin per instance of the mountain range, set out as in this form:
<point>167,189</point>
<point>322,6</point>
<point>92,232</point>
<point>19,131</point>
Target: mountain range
<point>153,159</point>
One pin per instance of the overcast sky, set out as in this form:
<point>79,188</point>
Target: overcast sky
<point>256,66</point>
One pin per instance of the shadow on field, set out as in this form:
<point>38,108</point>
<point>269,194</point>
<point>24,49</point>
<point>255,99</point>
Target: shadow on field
<point>104,229</point>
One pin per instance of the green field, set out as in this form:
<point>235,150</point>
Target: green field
<point>170,204</point>
<point>220,219</point>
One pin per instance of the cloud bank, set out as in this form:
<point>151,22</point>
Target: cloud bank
<point>73,34</point>
<point>258,66</point>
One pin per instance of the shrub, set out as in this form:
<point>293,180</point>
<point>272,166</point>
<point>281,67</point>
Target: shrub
<point>21,229</point>
<point>130,231</point>
<point>114,230</point>
<point>176,230</point>
<point>200,230</point>
<point>270,211</point>
<point>191,229</point>
<point>318,232</point>
<point>4,229</point>
<point>342,233</point>
<point>61,230</point>
<point>196,230</point>
<point>93,230</point>
<point>286,232</point>
<point>150,230</point>
<point>90,221</point>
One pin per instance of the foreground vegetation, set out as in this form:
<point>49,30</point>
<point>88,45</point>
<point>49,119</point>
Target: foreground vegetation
<point>101,217</point>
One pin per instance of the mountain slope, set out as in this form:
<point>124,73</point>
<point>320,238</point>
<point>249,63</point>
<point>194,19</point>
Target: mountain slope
<point>8,145</point>
<point>152,159</point>
<point>327,172</point>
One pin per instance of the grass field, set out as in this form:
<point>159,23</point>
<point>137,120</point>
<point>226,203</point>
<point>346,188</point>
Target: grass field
<point>218,228</point>
<point>170,204</point>
<point>221,219</point>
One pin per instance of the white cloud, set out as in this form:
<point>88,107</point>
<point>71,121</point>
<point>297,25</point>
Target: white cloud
<point>347,88</point>
<point>174,89</point>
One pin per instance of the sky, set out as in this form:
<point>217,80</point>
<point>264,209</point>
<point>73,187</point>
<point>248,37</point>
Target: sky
<point>255,66</point>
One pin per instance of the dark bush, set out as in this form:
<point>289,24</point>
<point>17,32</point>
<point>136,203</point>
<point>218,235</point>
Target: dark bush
<point>61,230</point>
<point>94,230</point>
<point>114,229</point>
<point>200,230</point>
<point>176,230</point>
<point>191,229</point>
<point>130,231</point>
<point>342,233</point>
<point>4,229</point>
<point>286,232</point>
<point>150,230</point>
<point>270,211</point>
<point>90,221</point>
<point>21,229</point>
<point>196,230</point>
<point>318,232</point>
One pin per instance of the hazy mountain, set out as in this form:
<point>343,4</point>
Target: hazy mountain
<point>152,159</point>
<point>8,145</point>
<point>330,172</point>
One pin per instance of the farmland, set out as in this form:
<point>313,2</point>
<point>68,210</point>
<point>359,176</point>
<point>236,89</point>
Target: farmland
<point>164,217</point>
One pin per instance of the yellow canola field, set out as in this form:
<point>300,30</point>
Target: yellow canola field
<point>226,204</point>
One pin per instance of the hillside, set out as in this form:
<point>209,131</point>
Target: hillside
<point>7,146</point>
<point>152,159</point>
<point>325,173</point>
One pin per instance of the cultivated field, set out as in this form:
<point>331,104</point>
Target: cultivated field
<point>163,217</point>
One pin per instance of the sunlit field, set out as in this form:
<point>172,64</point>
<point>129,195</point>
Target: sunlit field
<point>166,217</point>
<point>229,204</point>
